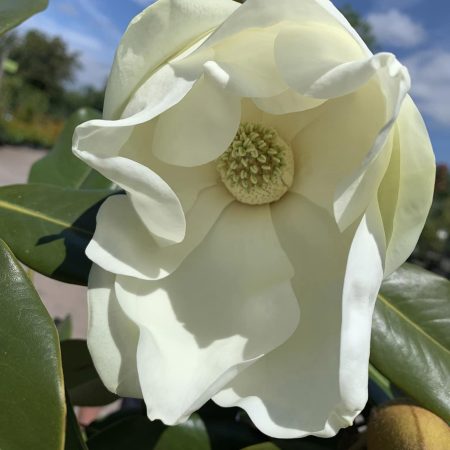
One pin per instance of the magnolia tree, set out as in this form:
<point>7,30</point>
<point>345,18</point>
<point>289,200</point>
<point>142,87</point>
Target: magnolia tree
<point>240,214</point>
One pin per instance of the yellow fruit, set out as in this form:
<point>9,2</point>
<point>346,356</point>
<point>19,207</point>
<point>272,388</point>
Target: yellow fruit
<point>406,427</point>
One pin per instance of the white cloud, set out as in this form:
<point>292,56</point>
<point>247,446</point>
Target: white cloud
<point>396,29</point>
<point>430,74</point>
<point>105,23</point>
<point>68,9</point>
<point>75,40</point>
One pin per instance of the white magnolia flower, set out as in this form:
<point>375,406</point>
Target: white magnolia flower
<point>275,171</point>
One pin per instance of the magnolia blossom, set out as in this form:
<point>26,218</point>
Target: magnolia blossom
<point>274,170</point>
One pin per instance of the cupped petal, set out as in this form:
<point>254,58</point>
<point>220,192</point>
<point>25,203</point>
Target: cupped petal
<point>147,44</point>
<point>288,126</point>
<point>259,29</point>
<point>122,244</point>
<point>342,156</point>
<point>227,305</point>
<point>306,54</point>
<point>288,101</point>
<point>112,337</point>
<point>265,13</point>
<point>99,142</point>
<point>247,61</point>
<point>316,382</point>
<point>198,129</point>
<point>335,143</point>
<point>406,191</point>
<point>186,182</point>
<point>354,193</point>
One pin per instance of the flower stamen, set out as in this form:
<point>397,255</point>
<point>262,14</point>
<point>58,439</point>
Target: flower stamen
<point>258,166</point>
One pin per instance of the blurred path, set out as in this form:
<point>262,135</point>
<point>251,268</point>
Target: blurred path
<point>59,298</point>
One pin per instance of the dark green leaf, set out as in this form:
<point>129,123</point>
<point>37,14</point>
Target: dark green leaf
<point>32,406</point>
<point>49,227</point>
<point>190,435</point>
<point>60,167</point>
<point>310,443</point>
<point>384,387</point>
<point>64,328</point>
<point>263,446</point>
<point>411,339</point>
<point>81,378</point>
<point>226,429</point>
<point>134,432</point>
<point>74,439</point>
<point>13,12</point>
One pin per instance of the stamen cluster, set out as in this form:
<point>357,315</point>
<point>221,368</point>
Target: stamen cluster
<point>257,167</point>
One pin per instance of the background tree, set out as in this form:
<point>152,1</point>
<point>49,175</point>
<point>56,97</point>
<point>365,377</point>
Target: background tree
<point>44,62</point>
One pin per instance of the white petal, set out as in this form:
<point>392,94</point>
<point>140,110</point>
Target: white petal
<point>228,304</point>
<point>186,182</point>
<point>287,102</point>
<point>122,244</point>
<point>199,128</point>
<point>99,143</point>
<point>247,59</point>
<point>288,126</point>
<point>355,192</point>
<point>316,382</point>
<point>406,192</point>
<point>150,41</point>
<point>342,156</point>
<point>112,336</point>
<point>334,145</point>
<point>306,54</point>
<point>265,13</point>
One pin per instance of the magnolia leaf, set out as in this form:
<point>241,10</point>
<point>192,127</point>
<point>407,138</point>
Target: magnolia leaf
<point>60,167</point>
<point>64,328</point>
<point>191,435</point>
<point>31,386</point>
<point>81,378</point>
<point>411,339</point>
<point>49,227</point>
<point>134,432</point>
<point>381,389</point>
<point>74,439</point>
<point>263,446</point>
<point>14,12</point>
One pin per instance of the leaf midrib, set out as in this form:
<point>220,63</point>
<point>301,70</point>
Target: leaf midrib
<point>38,215</point>
<point>413,324</point>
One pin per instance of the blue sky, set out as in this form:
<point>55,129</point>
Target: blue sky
<point>417,31</point>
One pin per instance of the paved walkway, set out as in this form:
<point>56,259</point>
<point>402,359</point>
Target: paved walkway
<point>59,298</point>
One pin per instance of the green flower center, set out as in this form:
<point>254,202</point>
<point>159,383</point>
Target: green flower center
<point>258,166</point>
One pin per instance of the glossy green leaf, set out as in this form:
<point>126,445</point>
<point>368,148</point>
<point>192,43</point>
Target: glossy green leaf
<point>310,443</point>
<point>382,384</point>
<point>60,167</point>
<point>263,446</point>
<point>226,428</point>
<point>134,432</point>
<point>410,336</point>
<point>49,227</point>
<point>191,435</point>
<point>14,12</point>
<point>81,378</point>
<point>32,407</point>
<point>64,328</point>
<point>74,439</point>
